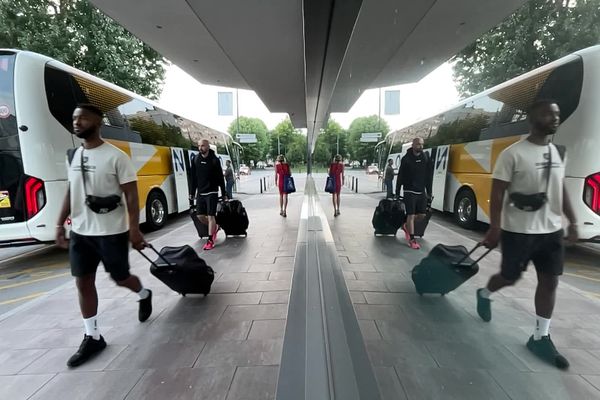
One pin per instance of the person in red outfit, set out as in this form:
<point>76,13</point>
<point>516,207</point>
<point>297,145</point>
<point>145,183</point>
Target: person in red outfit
<point>336,170</point>
<point>281,169</point>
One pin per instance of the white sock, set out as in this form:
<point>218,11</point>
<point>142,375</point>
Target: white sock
<point>91,327</point>
<point>485,293</point>
<point>144,293</point>
<point>542,328</point>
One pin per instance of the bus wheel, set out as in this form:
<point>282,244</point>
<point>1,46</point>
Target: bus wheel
<point>465,209</point>
<point>156,210</point>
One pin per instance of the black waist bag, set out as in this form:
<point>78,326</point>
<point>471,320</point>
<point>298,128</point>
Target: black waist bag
<point>445,269</point>
<point>182,270</point>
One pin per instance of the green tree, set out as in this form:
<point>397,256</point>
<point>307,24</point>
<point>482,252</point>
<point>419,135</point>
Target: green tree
<point>365,151</point>
<point>327,143</point>
<point>78,34</point>
<point>539,32</point>
<point>296,151</point>
<point>282,137</point>
<point>288,141</point>
<point>252,151</point>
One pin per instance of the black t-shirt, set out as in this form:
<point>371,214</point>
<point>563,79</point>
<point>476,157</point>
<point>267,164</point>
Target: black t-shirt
<point>414,172</point>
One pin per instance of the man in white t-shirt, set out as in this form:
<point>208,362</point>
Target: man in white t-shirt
<point>102,227</point>
<point>526,208</point>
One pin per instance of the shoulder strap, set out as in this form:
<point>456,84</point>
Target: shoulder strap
<point>71,154</point>
<point>549,167</point>
<point>562,150</point>
<point>83,172</point>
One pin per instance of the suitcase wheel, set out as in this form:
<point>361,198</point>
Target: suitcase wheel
<point>183,294</point>
<point>420,293</point>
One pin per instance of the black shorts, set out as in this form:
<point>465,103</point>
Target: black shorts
<point>86,252</point>
<point>547,252</point>
<point>415,203</point>
<point>206,204</point>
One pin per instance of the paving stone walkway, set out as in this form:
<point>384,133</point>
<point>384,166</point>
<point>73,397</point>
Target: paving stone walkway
<point>225,346</point>
<point>435,347</point>
<point>229,344</point>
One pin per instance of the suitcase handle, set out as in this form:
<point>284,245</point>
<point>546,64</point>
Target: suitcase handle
<point>473,251</point>
<point>157,253</point>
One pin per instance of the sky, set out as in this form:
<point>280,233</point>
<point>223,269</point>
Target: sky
<point>183,95</point>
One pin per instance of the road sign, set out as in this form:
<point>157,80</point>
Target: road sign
<point>369,137</point>
<point>372,134</point>
<point>246,137</point>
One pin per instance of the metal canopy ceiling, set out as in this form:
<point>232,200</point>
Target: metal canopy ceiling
<point>308,58</point>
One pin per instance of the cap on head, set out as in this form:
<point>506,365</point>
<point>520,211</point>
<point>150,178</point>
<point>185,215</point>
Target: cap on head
<point>338,158</point>
<point>280,158</point>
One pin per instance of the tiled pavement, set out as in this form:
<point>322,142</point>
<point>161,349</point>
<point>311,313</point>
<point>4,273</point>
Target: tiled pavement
<point>435,347</point>
<point>225,346</point>
<point>228,345</point>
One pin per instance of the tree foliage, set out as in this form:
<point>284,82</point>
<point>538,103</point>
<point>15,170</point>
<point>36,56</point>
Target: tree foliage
<point>290,141</point>
<point>326,146</point>
<point>78,34</point>
<point>365,151</point>
<point>539,32</point>
<point>252,151</point>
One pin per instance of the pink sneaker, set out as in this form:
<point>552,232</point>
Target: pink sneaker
<point>406,234</point>
<point>209,245</point>
<point>214,235</point>
<point>414,245</point>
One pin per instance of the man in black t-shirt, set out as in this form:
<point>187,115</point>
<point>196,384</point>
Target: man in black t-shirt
<point>414,174</point>
<point>207,179</point>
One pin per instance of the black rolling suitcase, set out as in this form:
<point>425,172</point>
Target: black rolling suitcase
<point>388,217</point>
<point>182,270</point>
<point>232,218</point>
<point>445,269</point>
<point>421,224</point>
<point>201,228</point>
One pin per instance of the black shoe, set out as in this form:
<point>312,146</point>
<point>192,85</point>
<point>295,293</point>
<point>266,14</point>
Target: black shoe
<point>88,348</point>
<point>484,307</point>
<point>145,309</point>
<point>545,349</point>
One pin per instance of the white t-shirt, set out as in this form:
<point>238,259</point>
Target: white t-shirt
<point>525,166</point>
<point>107,168</point>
